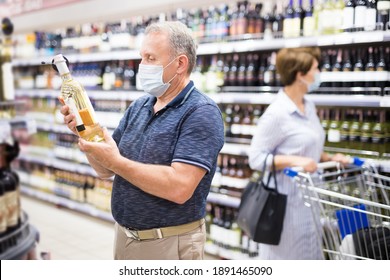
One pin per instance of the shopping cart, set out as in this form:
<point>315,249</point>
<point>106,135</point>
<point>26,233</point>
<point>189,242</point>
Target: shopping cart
<point>350,207</point>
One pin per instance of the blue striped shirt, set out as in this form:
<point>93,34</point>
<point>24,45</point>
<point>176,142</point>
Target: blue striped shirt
<point>189,130</point>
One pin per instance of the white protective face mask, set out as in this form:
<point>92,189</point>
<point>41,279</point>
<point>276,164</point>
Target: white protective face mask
<point>314,85</point>
<point>151,79</point>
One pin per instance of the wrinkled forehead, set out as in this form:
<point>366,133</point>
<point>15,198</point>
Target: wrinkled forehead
<point>155,43</point>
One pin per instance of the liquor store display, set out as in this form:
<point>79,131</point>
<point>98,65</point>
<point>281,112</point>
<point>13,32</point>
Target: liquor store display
<point>236,67</point>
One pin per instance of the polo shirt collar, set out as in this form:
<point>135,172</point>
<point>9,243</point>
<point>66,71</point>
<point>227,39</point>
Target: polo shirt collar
<point>182,96</point>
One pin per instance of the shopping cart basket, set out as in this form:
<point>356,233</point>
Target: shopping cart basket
<point>350,207</point>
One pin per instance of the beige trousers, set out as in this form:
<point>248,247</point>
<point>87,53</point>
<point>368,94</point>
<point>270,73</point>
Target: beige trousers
<point>188,246</point>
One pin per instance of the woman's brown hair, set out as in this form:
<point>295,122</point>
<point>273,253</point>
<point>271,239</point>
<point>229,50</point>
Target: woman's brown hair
<point>290,61</point>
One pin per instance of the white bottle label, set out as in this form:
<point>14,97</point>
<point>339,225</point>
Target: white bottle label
<point>334,135</point>
<point>8,81</point>
<point>360,16</point>
<point>370,23</point>
<point>73,109</point>
<point>348,17</point>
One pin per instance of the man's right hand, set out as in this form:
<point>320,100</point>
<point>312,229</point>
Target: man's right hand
<point>69,118</point>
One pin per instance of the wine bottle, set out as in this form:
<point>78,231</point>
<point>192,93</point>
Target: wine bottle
<point>5,62</point>
<point>358,67</point>
<point>308,21</point>
<point>370,68</point>
<point>3,213</point>
<point>348,16</point>
<point>360,14</point>
<point>288,20</point>
<point>76,98</point>
<point>383,7</point>
<point>299,14</point>
<point>371,16</point>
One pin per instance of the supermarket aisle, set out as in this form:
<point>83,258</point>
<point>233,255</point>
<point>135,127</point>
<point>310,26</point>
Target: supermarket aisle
<point>69,235</point>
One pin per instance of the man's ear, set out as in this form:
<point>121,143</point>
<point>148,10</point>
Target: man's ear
<point>183,64</point>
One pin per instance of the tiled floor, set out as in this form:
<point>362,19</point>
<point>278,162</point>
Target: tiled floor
<point>69,235</point>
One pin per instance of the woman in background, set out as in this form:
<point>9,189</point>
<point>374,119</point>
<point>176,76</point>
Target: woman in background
<point>291,131</point>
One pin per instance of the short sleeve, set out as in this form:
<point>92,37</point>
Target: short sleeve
<point>201,137</point>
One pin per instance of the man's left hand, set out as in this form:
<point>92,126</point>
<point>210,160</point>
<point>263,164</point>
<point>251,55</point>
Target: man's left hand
<point>106,153</point>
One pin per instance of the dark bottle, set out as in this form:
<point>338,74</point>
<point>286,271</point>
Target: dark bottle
<point>119,75</point>
<point>299,15</point>
<point>270,72</point>
<point>383,7</point>
<point>358,67</point>
<point>347,68</point>
<point>241,71</point>
<point>226,71</point>
<point>326,66</point>
<point>277,23</point>
<point>129,76</point>
<point>338,67</point>
<point>250,75</point>
<point>259,20</point>
<point>261,70</point>
<point>233,70</point>
<point>381,67</point>
<point>370,67</point>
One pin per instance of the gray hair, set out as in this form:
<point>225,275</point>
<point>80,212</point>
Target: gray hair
<point>180,39</point>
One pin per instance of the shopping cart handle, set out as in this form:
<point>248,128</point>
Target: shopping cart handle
<point>293,171</point>
<point>357,161</point>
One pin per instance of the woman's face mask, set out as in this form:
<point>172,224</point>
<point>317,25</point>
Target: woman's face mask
<point>314,85</point>
<point>151,79</point>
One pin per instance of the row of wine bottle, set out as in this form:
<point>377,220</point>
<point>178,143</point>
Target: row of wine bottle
<point>218,22</point>
<point>350,128</point>
<point>342,67</point>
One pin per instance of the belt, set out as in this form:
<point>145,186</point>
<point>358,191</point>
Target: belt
<point>158,233</point>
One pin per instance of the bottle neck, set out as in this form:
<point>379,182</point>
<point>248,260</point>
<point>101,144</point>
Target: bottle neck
<point>66,77</point>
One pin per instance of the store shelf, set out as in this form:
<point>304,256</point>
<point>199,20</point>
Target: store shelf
<point>51,161</point>
<point>223,199</point>
<point>64,202</point>
<point>247,43</point>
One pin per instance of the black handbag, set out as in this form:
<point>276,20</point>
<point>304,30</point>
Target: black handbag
<point>262,209</point>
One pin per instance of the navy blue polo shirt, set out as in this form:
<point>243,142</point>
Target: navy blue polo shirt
<point>189,130</point>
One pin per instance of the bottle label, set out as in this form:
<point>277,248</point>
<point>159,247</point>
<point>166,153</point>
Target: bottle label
<point>73,109</point>
<point>11,201</point>
<point>348,15</point>
<point>334,135</point>
<point>8,81</point>
<point>3,214</point>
